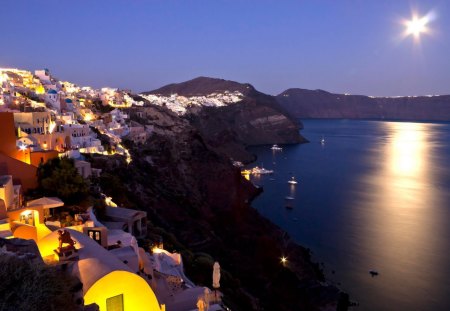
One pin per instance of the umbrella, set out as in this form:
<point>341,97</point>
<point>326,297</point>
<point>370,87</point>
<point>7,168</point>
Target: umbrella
<point>46,202</point>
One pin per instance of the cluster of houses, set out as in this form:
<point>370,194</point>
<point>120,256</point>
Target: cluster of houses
<point>181,104</point>
<point>42,118</point>
<point>53,115</point>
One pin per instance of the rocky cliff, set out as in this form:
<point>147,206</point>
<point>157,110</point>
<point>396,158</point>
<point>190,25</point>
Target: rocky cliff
<point>303,103</point>
<point>200,204</point>
<point>255,119</point>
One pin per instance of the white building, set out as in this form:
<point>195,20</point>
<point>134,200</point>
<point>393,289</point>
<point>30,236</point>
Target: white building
<point>43,75</point>
<point>52,98</point>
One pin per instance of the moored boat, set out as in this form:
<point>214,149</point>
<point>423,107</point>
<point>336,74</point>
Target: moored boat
<point>261,171</point>
<point>276,147</point>
<point>292,181</point>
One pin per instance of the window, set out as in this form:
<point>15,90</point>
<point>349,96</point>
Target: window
<point>96,235</point>
<point>115,303</point>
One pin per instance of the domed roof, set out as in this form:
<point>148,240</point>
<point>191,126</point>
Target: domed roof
<point>52,92</point>
<point>68,100</point>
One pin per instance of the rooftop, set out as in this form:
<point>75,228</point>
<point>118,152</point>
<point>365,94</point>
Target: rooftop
<point>124,213</point>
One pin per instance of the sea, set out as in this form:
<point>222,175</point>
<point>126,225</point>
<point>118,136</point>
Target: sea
<point>373,196</point>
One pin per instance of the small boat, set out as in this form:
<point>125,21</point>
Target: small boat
<point>276,147</point>
<point>373,273</point>
<point>292,181</point>
<point>261,171</point>
<point>289,198</point>
<point>322,141</point>
<point>288,206</point>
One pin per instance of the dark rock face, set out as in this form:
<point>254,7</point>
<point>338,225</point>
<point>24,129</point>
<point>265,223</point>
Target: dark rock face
<point>256,120</point>
<point>321,104</point>
<point>194,192</point>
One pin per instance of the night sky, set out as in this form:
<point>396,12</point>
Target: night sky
<point>352,47</point>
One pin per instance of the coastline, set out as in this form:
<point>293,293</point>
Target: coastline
<point>344,302</point>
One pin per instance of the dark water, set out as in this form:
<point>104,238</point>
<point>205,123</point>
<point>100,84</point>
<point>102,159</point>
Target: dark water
<point>376,196</point>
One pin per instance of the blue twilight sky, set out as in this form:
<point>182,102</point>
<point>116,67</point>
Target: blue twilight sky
<point>341,46</point>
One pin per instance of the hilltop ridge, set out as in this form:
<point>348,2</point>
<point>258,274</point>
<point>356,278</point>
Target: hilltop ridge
<point>230,115</point>
<point>303,103</point>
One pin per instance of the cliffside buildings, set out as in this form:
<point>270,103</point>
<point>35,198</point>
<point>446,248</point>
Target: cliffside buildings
<point>42,118</point>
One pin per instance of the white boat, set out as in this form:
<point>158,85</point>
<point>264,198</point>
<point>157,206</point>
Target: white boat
<point>322,141</point>
<point>276,147</point>
<point>261,171</point>
<point>289,198</point>
<point>292,181</point>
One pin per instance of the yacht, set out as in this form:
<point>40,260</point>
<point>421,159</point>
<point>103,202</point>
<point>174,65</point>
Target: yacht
<point>322,141</point>
<point>261,171</point>
<point>292,181</point>
<point>276,147</point>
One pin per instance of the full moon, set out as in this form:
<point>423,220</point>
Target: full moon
<point>416,26</point>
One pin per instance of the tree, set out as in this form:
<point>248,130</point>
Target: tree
<point>59,177</point>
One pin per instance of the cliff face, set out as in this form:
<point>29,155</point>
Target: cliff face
<point>256,119</point>
<point>321,104</point>
<point>195,193</point>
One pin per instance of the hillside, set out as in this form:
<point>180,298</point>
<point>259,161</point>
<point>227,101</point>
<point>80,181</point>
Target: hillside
<point>229,115</point>
<point>303,103</point>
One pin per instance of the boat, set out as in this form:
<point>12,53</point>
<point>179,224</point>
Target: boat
<point>292,181</point>
<point>289,206</point>
<point>261,171</point>
<point>322,141</point>
<point>373,273</point>
<point>276,147</point>
<point>289,198</point>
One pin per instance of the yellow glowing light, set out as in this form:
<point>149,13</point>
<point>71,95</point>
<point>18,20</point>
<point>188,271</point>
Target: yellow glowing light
<point>157,250</point>
<point>51,127</point>
<point>283,260</point>
<point>246,174</point>
<point>40,89</point>
<point>135,290</point>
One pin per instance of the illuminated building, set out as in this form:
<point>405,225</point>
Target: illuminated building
<point>107,281</point>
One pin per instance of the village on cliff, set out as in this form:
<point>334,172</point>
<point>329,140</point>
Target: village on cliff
<point>42,119</point>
